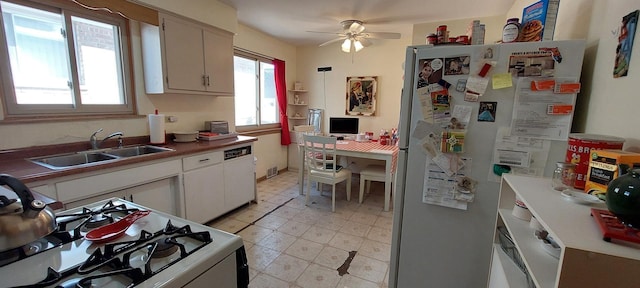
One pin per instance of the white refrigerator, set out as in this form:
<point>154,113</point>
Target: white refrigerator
<point>508,94</point>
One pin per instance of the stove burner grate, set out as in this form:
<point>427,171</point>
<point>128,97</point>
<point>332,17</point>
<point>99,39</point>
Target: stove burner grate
<point>115,258</point>
<point>612,228</point>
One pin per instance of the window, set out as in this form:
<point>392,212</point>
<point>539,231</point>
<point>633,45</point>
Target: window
<point>255,91</point>
<point>62,61</point>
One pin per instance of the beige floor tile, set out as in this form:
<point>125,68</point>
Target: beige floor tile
<point>318,235</point>
<point>299,246</point>
<point>376,250</point>
<point>271,221</point>
<point>294,228</point>
<point>349,281</point>
<point>304,249</point>
<point>286,212</point>
<point>355,228</point>
<point>384,222</point>
<point>254,233</point>
<point>331,222</point>
<point>265,281</point>
<point>229,225</point>
<point>316,276</point>
<point>368,268</point>
<point>364,218</point>
<point>286,267</point>
<point>260,257</point>
<point>277,241</point>
<point>249,215</point>
<point>380,235</point>
<point>331,257</point>
<point>346,241</point>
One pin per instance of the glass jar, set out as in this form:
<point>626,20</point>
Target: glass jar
<point>564,176</point>
<point>511,31</point>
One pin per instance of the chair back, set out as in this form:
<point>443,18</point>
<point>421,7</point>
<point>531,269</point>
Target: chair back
<point>300,130</point>
<point>320,154</point>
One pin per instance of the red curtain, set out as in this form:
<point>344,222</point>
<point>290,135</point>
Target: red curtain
<point>281,92</point>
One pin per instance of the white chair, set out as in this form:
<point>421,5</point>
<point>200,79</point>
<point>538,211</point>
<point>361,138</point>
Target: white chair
<point>372,173</point>
<point>320,159</point>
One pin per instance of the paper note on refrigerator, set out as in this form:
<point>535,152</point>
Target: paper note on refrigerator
<point>440,189</point>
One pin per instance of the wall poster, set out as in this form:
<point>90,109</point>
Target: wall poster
<point>361,96</point>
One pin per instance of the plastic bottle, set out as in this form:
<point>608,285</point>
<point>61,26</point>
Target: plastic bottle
<point>511,31</point>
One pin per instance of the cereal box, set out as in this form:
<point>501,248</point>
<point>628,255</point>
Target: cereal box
<point>539,21</point>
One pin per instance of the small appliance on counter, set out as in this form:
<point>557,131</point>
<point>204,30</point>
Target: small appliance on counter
<point>159,250</point>
<point>220,127</point>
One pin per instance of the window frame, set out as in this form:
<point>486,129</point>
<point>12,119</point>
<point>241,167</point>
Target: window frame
<point>238,52</point>
<point>42,112</point>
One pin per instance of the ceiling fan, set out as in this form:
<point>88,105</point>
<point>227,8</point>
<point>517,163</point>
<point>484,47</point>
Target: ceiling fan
<point>354,36</point>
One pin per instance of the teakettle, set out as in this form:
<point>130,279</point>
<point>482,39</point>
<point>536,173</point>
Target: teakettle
<point>623,198</point>
<point>22,220</point>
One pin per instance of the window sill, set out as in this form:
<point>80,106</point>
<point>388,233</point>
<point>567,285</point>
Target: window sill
<point>48,119</point>
<point>255,131</point>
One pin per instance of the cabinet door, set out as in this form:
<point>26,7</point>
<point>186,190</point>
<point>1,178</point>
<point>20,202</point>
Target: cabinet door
<point>218,51</point>
<point>239,181</point>
<point>204,194</point>
<point>91,200</point>
<point>183,55</point>
<point>156,195</point>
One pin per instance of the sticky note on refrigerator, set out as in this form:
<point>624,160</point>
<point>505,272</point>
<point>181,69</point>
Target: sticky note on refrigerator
<point>501,80</point>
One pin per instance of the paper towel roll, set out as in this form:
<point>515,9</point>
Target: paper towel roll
<point>156,128</point>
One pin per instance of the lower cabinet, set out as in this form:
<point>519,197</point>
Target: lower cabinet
<point>214,186</point>
<point>158,195</point>
<point>204,193</point>
<point>155,186</point>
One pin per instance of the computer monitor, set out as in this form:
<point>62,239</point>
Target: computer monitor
<point>343,126</point>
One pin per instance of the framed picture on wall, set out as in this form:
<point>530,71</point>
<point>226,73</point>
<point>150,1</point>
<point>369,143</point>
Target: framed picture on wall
<point>361,96</point>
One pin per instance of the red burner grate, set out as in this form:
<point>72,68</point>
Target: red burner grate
<point>613,228</point>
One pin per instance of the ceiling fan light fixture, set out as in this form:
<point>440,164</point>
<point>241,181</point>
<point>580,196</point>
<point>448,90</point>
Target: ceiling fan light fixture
<point>346,45</point>
<point>358,45</point>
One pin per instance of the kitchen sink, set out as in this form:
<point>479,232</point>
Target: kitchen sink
<point>95,157</point>
<point>136,150</point>
<point>73,160</point>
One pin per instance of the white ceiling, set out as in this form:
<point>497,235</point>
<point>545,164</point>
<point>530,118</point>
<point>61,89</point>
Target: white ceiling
<point>290,20</point>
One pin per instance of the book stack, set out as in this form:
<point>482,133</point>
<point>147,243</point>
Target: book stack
<point>208,136</point>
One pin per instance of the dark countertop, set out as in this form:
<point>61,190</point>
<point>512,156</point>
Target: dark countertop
<point>14,162</point>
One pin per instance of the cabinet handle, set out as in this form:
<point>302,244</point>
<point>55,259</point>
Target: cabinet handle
<point>204,80</point>
<point>208,82</point>
<point>203,160</point>
<point>131,197</point>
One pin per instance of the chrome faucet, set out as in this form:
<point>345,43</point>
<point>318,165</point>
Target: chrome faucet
<point>94,139</point>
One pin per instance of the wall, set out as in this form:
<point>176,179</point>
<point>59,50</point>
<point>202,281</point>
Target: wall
<point>613,101</point>
<point>268,149</point>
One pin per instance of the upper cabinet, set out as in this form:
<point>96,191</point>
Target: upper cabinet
<point>183,56</point>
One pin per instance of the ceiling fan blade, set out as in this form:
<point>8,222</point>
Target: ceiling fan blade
<point>324,32</point>
<point>332,41</point>
<point>356,27</point>
<point>364,41</point>
<point>382,35</point>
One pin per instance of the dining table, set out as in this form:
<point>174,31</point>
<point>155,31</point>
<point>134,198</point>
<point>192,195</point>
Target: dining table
<point>362,149</point>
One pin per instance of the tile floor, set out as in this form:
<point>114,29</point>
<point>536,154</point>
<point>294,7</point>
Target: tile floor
<point>292,245</point>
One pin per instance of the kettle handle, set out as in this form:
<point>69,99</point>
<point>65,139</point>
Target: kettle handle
<point>29,203</point>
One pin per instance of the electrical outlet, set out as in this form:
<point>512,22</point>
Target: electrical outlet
<point>170,119</point>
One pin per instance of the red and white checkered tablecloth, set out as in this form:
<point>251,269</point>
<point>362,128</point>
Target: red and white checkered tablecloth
<point>371,147</point>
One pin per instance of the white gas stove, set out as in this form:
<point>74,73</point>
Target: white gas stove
<point>158,250</point>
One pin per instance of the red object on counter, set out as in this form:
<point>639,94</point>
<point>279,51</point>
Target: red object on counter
<point>612,228</point>
<point>579,152</point>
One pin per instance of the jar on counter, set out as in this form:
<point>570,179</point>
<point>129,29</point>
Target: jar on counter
<point>564,176</point>
<point>511,31</point>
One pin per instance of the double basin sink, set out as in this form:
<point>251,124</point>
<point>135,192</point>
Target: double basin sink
<point>95,157</point>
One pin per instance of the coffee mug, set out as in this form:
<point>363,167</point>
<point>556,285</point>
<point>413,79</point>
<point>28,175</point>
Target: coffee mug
<point>360,137</point>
